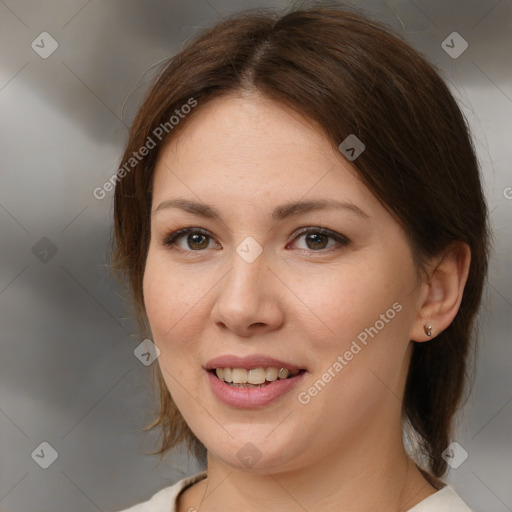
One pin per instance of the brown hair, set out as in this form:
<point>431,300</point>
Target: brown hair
<point>351,75</point>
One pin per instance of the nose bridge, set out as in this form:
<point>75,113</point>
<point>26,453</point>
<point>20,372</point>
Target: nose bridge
<point>247,269</point>
<point>245,295</point>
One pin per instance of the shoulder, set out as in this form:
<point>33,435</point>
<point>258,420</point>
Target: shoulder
<point>444,500</point>
<point>165,499</point>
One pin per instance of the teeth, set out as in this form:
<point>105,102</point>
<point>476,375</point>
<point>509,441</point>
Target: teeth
<point>271,374</point>
<point>256,376</point>
<point>283,373</point>
<point>239,375</point>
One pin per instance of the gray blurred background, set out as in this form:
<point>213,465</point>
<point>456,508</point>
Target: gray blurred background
<point>68,374</point>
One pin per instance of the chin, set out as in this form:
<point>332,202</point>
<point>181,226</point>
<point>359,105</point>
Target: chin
<point>253,454</point>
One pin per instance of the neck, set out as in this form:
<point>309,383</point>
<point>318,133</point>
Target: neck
<point>369,476</point>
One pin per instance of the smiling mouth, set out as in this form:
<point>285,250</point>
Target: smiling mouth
<point>254,378</point>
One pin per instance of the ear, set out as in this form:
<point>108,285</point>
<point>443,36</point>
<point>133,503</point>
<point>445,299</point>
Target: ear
<point>442,291</point>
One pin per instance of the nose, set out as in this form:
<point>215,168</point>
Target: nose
<point>249,299</point>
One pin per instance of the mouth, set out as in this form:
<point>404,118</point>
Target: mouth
<point>255,377</point>
<point>252,381</point>
<point>256,370</point>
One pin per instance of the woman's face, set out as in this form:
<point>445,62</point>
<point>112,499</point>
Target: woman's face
<point>340,304</point>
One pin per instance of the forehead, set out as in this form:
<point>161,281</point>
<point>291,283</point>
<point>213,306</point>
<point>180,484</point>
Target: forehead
<point>252,146</point>
<point>253,127</point>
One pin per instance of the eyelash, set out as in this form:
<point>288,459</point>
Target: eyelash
<point>169,240</point>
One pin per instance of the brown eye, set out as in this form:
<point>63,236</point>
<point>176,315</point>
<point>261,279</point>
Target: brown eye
<point>318,239</point>
<point>195,239</point>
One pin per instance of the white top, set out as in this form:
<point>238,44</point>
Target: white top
<point>445,500</point>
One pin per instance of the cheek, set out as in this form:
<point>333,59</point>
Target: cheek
<point>371,311</point>
<point>170,299</point>
<point>344,301</point>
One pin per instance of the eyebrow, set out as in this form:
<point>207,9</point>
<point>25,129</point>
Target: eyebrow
<point>279,213</point>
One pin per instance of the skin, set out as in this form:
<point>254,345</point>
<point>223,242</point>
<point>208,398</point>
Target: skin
<point>300,302</point>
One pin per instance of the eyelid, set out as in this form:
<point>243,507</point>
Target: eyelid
<point>323,231</point>
<point>168,240</point>
<point>341,240</point>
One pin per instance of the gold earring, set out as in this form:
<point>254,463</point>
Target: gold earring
<point>428,329</point>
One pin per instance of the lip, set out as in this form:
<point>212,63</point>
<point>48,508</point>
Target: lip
<point>248,362</point>
<point>251,397</point>
<point>246,398</point>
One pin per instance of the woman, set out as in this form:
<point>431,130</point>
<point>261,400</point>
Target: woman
<point>300,216</point>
